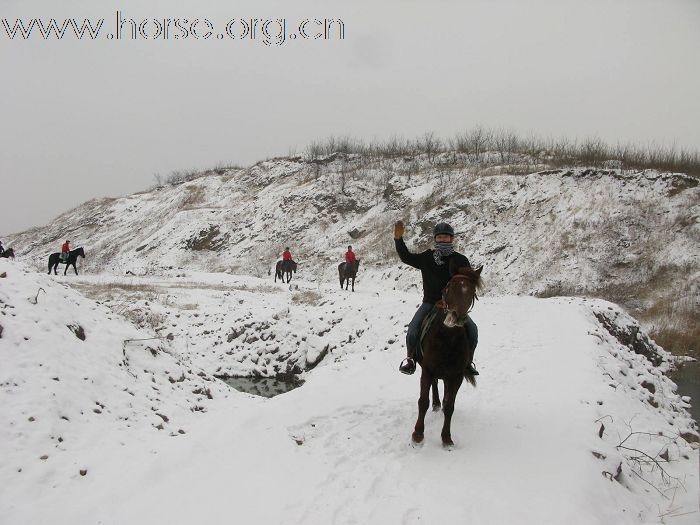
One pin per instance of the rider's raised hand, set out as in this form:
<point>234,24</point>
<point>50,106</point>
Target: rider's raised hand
<point>398,230</point>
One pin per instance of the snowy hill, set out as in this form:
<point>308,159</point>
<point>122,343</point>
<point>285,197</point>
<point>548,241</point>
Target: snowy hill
<point>573,419</point>
<point>76,378</point>
<point>630,237</point>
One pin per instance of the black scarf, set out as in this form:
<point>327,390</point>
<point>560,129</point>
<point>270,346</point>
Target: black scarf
<point>442,249</point>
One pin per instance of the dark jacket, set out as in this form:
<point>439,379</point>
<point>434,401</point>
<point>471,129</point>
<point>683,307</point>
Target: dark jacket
<point>435,277</point>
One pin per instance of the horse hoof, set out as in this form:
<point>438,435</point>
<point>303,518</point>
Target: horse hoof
<point>417,438</point>
<point>437,407</point>
<point>448,444</point>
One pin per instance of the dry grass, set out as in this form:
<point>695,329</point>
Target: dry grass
<point>195,196</point>
<point>310,297</point>
<point>489,147</point>
<point>111,290</point>
<point>679,338</point>
<point>674,322</point>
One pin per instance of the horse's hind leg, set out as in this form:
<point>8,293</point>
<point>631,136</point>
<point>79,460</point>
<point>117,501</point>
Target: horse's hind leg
<point>353,284</point>
<point>448,408</point>
<point>423,402</point>
<point>436,396</point>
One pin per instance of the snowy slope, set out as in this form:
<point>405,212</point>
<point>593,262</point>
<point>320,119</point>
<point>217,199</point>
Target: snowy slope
<point>571,405</point>
<point>71,386</point>
<point>570,230</point>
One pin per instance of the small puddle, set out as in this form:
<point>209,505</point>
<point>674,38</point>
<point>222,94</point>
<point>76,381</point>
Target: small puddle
<point>687,377</point>
<point>263,386</point>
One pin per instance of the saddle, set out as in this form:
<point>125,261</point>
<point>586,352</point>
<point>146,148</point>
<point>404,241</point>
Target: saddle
<point>424,327</point>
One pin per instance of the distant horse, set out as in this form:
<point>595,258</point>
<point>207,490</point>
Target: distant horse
<point>447,350</point>
<point>283,268</point>
<point>346,272</point>
<point>7,254</point>
<point>55,259</point>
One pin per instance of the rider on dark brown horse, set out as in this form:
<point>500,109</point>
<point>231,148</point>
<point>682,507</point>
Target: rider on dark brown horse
<point>435,269</point>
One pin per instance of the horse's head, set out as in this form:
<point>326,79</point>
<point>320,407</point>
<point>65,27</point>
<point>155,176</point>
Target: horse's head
<point>459,295</point>
<point>9,253</point>
<point>294,267</point>
<point>81,252</point>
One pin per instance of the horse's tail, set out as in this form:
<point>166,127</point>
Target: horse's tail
<point>470,379</point>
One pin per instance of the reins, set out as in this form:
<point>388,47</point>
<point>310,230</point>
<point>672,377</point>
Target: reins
<point>442,304</point>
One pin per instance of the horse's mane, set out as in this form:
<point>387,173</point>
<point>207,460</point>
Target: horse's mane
<point>473,275</point>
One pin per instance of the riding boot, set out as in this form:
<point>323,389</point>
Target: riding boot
<point>408,365</point>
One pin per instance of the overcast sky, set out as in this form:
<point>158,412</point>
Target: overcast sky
<point>84,119</point>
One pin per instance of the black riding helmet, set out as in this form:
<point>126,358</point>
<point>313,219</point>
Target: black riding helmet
<point>443,229</point>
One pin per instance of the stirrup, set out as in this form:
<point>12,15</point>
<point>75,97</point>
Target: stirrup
<point>407,366</point>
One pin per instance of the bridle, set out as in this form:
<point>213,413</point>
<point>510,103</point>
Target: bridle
<point>442,304</point>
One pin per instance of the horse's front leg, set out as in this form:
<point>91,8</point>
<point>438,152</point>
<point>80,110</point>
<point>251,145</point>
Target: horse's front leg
<point>436,396</point>
<point>448,408</point>
<point>353,284</point>
<point>75,267</point>
<point>423,402</point>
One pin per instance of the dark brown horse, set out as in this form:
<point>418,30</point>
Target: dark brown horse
<point>283,268</point>
<point>447,350</point>
<point>347,271</point>
<point>55,260</point>
<point>7,254</point>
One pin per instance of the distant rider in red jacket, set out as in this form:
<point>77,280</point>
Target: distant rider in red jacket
<point>350,256</point>
<point>65,251</point>
<point>286,254</point>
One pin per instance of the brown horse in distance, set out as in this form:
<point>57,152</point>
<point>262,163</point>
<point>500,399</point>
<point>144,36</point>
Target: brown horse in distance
<point>347,271</point>
<point>283,268</point>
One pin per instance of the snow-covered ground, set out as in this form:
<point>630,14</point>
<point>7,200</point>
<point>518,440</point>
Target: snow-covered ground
<point>567,424</point>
